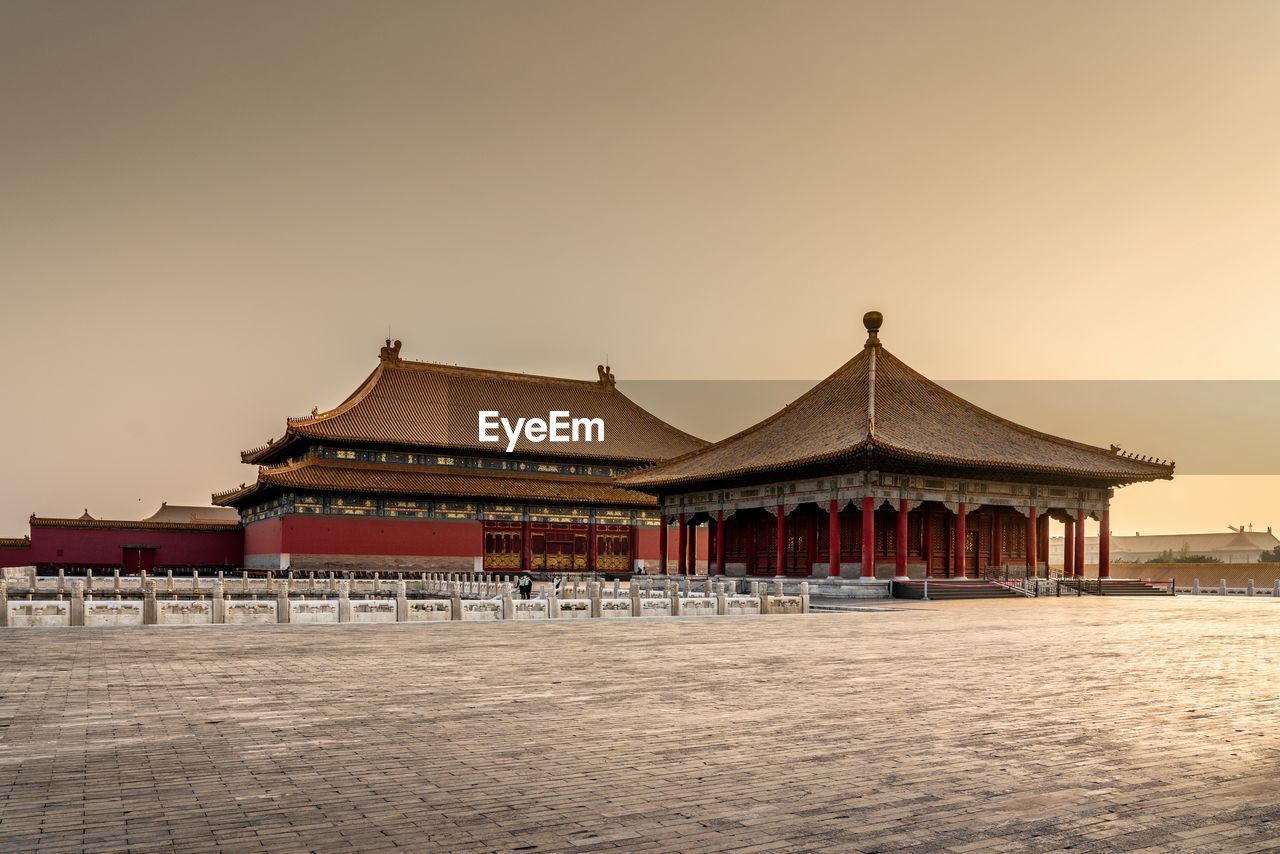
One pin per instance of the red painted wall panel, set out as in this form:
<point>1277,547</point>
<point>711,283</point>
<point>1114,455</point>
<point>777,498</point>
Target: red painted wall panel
<point>105,546</point>
<point>16,557</point>
<point>354,535</point>
<point>264,537</point>
<point>647,543</point>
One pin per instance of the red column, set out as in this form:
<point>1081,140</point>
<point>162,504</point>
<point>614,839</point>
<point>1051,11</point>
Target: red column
<point>1032,527</point>
<point>591,546</point>
<point>526,547</point>
<point>1068,549</point>
<point>720,542</point>
<point>868,537</point>
<point>810,542</point>
<point>1080,545</point>
<point>662,546</point>
<point>1042,552</point>
<point>693,550</point>
<point>961,523</point>
<point>926,522</point>
<point>781,550</point>
<point>711,548</point>
<point>833,537</point>
<point>900,564</point>
<point>682,547</point>
<point>1104,543</point>
<point>631,546</point>
<point>997,539</point>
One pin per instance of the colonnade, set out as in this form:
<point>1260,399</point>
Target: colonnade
<point>687,527</point>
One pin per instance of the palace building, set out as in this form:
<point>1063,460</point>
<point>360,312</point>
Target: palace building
<point>396,478</point>
<point>874,473</point>
<point>878,473</point>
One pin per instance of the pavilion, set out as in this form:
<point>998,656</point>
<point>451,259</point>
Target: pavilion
<point>878,472</point>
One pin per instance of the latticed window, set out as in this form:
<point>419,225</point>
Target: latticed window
<point>1015,538</point>
<point>886,539</point>
<point>940,534</point>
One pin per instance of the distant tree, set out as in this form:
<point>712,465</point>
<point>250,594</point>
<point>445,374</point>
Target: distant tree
<point>1270,556</point>
<point>1183,555</point>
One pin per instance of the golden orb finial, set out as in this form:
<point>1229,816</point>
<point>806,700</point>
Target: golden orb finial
<point>872,320</point>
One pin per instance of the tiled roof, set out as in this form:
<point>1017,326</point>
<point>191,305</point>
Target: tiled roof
<point>190,513</point>
<point>127,524</point>
<point>314,473</point>
<point>875,404</point>
<point>405,403</point>
<point>15,542</point>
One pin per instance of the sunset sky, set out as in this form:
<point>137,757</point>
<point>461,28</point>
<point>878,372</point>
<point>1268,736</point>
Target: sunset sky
<point>212,213</point>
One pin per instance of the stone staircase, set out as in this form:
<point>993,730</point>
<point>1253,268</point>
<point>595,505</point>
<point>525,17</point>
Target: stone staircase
<point>1116,587</point>
<point>948,589</point>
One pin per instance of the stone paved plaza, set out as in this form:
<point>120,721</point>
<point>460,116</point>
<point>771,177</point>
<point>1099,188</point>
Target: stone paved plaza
<point>1089,724</point>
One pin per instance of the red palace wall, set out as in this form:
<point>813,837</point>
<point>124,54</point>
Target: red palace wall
<point>264,537</point>
<point>355,535</point>
<point>647,543</point>
<point>306,539</point>
<point>15,556</point>
<point>355,542</point>
<point>105,547</point>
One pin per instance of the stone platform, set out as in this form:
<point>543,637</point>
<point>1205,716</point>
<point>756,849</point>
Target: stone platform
<point>1093,724</point>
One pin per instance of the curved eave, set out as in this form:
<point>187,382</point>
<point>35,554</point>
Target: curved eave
<point>231,496</point>
<point>267,479</point>
<point>301,432</point>
<point>1153,471</point>
<point>638,480</point>
<point>271,451</point>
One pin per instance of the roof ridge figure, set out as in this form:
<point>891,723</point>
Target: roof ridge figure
<point>390,352</point>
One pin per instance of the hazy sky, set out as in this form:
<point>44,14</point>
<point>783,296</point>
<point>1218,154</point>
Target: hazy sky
<point>210,213</point>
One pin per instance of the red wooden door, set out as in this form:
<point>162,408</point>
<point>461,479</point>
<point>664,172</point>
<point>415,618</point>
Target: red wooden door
<point>978,544</point>
<point>138,559</point>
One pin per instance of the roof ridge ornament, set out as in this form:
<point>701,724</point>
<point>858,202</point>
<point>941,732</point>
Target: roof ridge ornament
<point>872,320</point>
<point>390,352</point>
<point>607,378</point>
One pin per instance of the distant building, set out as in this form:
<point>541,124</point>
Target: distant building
<point>175,536</point>
<point>1235,545</point>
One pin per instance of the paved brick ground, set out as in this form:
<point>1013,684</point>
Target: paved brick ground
<point>1085,724</point>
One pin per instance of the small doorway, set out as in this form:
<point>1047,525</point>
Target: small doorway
<point>138,559</point>
<point>565,552</point>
